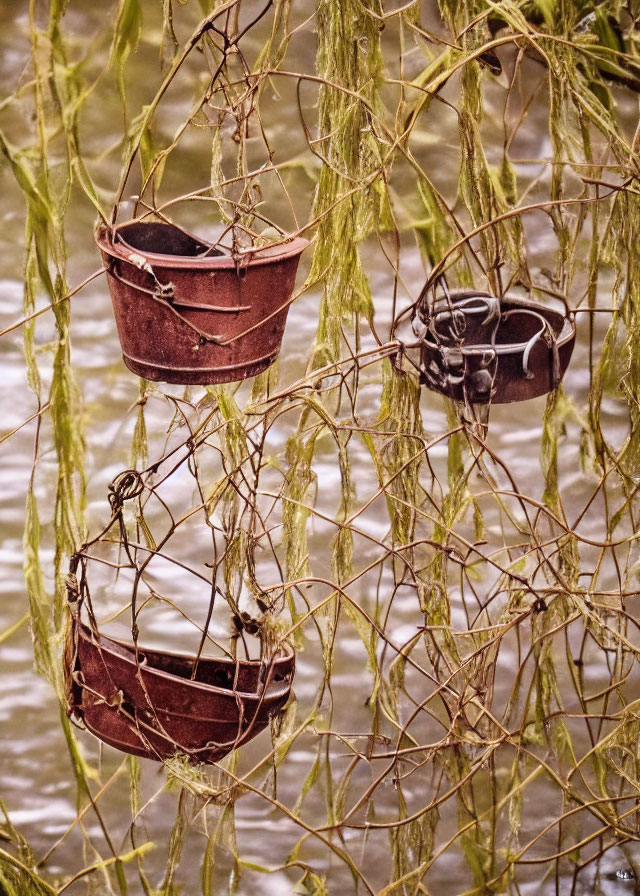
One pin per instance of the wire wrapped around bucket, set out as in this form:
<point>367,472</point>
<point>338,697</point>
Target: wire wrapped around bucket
<point>477,348</point>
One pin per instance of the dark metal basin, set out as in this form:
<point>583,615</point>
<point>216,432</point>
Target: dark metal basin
<point>478,348</point>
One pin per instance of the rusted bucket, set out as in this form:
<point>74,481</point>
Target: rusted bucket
<point>152,704</point>
<point>478,348</point>
<point>186,313</point>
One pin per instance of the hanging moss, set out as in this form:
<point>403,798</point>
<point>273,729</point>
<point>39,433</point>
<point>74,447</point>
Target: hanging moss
<point>349,56</point>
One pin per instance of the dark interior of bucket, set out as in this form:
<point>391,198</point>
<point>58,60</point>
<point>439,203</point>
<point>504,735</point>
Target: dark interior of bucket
<point>515,328</point>
<point>163,239</point>
<point>217,672</point>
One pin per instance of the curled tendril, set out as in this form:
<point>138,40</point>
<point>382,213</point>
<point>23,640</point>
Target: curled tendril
<point>124,487</point>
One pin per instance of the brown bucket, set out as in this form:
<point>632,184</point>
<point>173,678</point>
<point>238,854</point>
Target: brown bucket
<point>153,704</point>
<point>478,348</point>
<point>187,313</point>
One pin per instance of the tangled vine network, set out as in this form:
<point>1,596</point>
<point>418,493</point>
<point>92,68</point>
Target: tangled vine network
<point>457,576</point>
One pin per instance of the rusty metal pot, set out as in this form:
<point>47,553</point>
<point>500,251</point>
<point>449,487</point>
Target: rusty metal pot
<point>478,348</point>
<point>187,313</point>
<point>154,703</point>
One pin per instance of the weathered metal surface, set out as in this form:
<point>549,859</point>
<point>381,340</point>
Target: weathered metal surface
<point>477,348</point>
<point>186,313</point>
<point>150,703</point>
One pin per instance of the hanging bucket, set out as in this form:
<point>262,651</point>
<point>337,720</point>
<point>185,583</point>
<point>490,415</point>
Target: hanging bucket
<point>478,348</point>
<point>187,313</point>
<point>153,703</point>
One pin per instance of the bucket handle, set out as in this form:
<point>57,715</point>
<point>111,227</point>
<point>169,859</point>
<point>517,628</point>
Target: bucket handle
<point>163,296</point>
<point>454,312</point>
<point>545,332</point>
<point>166,292</point>
<point>204,337</point>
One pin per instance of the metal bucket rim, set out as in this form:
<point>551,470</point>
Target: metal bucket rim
<point>567,332</point>
<point>288,248</point>
<point>274,691</point>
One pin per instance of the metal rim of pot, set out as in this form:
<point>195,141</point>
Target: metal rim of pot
<point>137,654</point>
<point>112,241</point>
